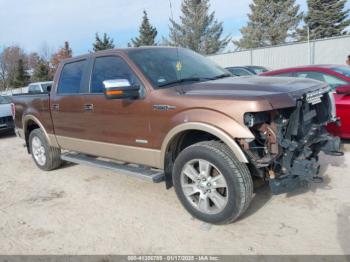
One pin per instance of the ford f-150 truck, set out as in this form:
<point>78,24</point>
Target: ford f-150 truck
<point>164,113</point>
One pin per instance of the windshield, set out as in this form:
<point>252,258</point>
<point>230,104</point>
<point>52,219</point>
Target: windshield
<point>166,66</point>
<point>345,71</point>
<point>4,100</point>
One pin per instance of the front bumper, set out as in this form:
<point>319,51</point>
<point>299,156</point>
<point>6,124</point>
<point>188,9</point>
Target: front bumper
<point>304,137</point>
<point>305,169</point>
<point>289,140</point>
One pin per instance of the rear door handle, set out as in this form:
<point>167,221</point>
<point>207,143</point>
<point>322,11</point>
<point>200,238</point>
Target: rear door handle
<point>88,107</point>
<point>55,107</point>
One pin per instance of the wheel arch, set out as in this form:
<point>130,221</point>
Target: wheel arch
<point>203,132</point>
<point>30,123</point>
<point>181,129</point>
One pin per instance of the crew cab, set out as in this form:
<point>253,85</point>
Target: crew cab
<point>163,113</point>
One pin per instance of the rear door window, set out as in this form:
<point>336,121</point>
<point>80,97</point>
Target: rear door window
<point>71,78</point>
<point>110,68</point>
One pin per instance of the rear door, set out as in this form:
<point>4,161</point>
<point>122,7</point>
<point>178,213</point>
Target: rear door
<point>67,103</point>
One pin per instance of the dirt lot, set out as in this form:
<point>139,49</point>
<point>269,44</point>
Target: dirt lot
<point>83,210</point>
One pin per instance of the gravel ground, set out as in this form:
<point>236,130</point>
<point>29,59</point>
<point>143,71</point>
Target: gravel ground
<point>84,210</point>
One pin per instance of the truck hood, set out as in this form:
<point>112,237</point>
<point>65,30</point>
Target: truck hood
<point>5,110</point>
<point>280,92</point>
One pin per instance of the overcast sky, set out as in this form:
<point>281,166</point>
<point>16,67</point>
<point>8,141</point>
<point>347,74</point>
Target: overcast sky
<point>30,23</point>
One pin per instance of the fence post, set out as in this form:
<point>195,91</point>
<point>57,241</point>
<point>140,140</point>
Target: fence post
<point>251,57</point>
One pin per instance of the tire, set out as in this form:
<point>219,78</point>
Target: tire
<point>45,157</point>
<point>210,199</point>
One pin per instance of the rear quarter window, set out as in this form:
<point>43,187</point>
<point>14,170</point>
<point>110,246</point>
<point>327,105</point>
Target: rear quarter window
<point>71,77</point>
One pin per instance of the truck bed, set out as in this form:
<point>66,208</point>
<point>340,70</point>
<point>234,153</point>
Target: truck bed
<point>37,105</point>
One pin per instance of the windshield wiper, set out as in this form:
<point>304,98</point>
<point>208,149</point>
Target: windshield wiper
<point>194,79</point>
<point>184,80</point>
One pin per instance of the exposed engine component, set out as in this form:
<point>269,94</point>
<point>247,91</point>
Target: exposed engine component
<point>288,141</point>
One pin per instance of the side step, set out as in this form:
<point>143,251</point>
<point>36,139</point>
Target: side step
<point>153,175</point>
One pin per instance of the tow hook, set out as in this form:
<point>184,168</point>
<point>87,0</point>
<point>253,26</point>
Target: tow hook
<point>332,146</point>
<point>334,153</point>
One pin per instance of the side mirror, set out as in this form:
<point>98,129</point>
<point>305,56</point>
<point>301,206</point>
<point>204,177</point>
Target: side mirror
<point>120,89</point>
<point>343,90</point>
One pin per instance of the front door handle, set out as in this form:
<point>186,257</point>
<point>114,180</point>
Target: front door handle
<point>88,107</point>
<point>55,107</point>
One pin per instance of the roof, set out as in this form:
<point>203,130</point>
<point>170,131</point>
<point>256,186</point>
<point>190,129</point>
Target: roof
<point>115,50</point>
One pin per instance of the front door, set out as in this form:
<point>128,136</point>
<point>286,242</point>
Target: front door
<point>115,128</point>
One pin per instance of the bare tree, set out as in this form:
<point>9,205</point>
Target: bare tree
<point>45,51</point>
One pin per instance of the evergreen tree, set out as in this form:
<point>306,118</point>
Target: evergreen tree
<point>63,53</point>
<point>271,22</point>
<point>198,29</point>
<point>148,33</point>
<point>42,72</point>
<point>21,77</point>
<point>325,18</point>
<point>102,44</point>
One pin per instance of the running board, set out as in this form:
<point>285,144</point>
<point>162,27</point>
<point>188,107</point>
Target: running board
<point>153,175</point>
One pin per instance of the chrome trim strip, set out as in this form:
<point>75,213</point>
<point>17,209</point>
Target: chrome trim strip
<point>130,154</point>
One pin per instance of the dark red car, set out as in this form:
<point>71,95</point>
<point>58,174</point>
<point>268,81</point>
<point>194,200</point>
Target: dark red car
<point>338,77</point>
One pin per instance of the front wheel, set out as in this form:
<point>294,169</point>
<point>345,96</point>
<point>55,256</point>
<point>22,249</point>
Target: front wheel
<point>211,183</point>
<point>45,157</point>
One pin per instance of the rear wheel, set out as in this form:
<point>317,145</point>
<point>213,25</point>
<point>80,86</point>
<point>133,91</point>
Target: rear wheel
<point>45,157</point>
<point>211,183</point>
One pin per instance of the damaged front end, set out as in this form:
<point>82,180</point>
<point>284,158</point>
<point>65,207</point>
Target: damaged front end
<point>287,141</point>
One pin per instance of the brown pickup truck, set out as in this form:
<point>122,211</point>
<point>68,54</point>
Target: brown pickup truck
<point>170,114</point>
